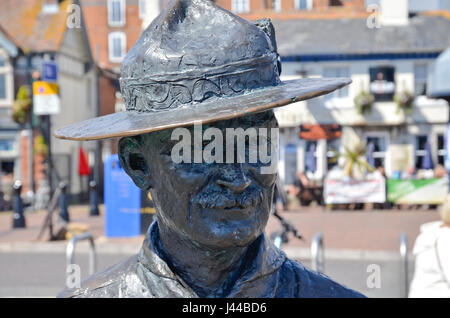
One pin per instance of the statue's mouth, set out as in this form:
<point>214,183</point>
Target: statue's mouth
<point>236,203</point>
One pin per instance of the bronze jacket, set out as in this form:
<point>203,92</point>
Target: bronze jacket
<point>267,272</point>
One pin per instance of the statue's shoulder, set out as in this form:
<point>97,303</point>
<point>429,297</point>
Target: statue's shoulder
<point>311,284</point>
<point>106,283</point>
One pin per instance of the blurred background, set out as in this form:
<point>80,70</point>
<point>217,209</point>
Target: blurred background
<point>360,169</point>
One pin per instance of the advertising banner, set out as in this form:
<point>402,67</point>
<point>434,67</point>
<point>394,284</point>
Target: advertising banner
<point>417,191</point>
<point>355,191</point>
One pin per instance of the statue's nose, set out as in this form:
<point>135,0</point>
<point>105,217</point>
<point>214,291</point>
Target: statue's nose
<point>237,182</point>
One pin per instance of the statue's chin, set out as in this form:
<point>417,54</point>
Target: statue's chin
<point>226,234</point>
<point>218,229</point>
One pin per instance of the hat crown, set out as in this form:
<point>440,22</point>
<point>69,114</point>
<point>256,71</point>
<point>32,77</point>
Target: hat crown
<point>195,50</point>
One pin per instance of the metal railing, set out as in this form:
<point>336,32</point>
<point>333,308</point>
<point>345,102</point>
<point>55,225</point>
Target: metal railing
<point>317,253</point>
<point>70,251</point>
<point>404,262</point>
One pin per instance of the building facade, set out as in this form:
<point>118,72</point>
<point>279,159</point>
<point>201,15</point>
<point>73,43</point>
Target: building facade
<point>41,33</point>
<point>385,60</point>
<point>9,131</point>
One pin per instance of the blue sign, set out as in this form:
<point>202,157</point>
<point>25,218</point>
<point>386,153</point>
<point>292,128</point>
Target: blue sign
<point>49,71</point>
<point>122,202</point>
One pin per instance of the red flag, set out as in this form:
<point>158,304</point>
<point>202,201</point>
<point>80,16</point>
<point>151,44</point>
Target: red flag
<point>83,165</point>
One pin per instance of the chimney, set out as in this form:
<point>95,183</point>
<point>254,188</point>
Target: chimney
<point>50,7</point>
<point>150,10</point>
<point>394,12</point>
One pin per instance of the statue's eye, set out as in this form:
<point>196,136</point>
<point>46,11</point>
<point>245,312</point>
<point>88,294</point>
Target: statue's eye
<point>167,149</point>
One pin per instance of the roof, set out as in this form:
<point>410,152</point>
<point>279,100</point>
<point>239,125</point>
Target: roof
<point>31,29</point>
<point>7,44</point>
<point>423,34</point>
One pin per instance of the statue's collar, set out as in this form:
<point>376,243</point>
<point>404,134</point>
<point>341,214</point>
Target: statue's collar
<point>259,269</point>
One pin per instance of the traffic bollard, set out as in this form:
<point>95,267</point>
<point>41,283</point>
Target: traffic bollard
<point>63,212</point>
<point>93,198</point>
<point>18,217</point>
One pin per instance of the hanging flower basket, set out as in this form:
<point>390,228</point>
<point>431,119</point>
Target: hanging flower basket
<point>40,148</point>
<point>22,105</point>
<point>405,101</point>
<point>363,102</point>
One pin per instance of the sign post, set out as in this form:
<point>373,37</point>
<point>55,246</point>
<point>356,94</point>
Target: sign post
<point>45,98</point>
<point>49,71</point>
<point>46,102</point>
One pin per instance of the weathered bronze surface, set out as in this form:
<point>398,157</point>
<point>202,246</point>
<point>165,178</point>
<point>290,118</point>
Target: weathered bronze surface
<point>199,63</point>
<point>207,240</point>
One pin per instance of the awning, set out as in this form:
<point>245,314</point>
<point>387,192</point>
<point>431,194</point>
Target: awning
<point>315,132</point>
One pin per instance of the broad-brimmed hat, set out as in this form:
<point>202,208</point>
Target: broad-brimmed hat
<point>198,62</point>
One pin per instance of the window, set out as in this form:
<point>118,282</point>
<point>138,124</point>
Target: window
<point>142,8</point>
<point>379,146</point>
<point>276,5</point>
<point>6,80</point>
<point>337,71</point>
<point>7,167</point>
<point>382,83</point>
<point>117,46</point>
<point>311,157</point>
<point>2,86</point>
<point>440,149</point>
<point>240,6</point>
<point>420,79</point>
<point>420,152</point>
<point>116,12</point>
<point>303,4</point>
<point>7,145</point>
<point>290,163</point>
<point>332,153</point>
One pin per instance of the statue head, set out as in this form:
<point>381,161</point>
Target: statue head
<point>217,203</point>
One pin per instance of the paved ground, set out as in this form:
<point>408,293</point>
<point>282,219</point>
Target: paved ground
<point>357,230</point>
<point>42,274</point>
<point>353,241</point>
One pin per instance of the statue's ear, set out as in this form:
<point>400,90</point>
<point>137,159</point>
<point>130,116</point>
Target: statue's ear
<point>133,161</point>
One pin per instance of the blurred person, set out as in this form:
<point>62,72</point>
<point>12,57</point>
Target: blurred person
<point>381,173</point>
<point>432,253</point>
<point>409,174</point>
<point>6,187</point>
<point>440,172</point>
<point>300,189</point>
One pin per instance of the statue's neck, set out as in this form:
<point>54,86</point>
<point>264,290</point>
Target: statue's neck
<point>206,270</point>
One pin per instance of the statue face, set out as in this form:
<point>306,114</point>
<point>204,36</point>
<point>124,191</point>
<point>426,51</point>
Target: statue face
<point>212,204</point>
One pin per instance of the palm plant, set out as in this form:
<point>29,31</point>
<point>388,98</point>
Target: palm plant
<point>354,159</point>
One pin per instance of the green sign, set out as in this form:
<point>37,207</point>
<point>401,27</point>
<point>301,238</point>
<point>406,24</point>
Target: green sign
<point>417,191</point>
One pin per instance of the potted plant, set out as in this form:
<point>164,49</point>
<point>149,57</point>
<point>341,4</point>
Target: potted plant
<point>363,102</point>
<point>40,148</point>
<point>22,105</point>
<point>405,101</point>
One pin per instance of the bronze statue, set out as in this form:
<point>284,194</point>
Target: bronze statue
<point>198,64</point>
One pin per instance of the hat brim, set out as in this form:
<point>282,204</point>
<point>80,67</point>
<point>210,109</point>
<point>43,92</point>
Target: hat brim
<point>131,123</point>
